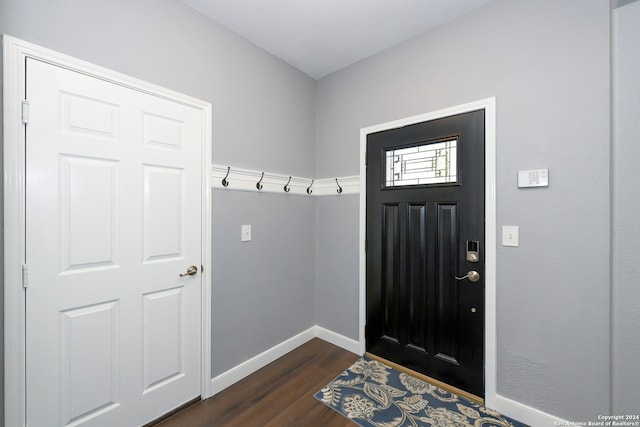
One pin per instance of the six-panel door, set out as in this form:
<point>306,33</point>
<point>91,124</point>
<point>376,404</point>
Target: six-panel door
<point>113,217</point>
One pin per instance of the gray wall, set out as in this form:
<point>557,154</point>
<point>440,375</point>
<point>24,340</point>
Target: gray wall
<point>1,271</point>
<point>626,209</point>
<point>547,64</point>
<point>337,275</point>
<point>263,290</point>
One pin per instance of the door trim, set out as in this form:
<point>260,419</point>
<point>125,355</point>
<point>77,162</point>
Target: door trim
<point>15,52</point>
<point>490,340</point>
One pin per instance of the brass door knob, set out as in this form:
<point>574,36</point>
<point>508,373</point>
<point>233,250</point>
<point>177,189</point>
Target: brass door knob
<point>191,271</point>
<point>472,275</point>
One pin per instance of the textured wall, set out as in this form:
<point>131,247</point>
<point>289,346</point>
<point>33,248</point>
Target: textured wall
<point>626,209</point>
<point>547,64</point>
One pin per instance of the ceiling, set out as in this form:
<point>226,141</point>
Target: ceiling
<point>322,36</point>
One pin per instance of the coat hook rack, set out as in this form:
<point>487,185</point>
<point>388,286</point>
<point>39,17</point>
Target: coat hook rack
<point>286,186</point>
<point>309,190</point>
<point>339,190</point>
<point>225,183</point>
<point>259,183</point>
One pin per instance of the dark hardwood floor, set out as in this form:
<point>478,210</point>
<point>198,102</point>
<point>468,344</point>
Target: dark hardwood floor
<point>278,395</point>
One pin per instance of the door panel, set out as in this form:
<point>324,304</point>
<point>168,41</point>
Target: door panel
<point>162,132</point>
<point>416,253</point>
<point>89,348</point>
<point>88,196</point>
<point>425,199</point>
<point>391,299</point>
<point>90,117</point>
<point>446,294</point>
<point>163,214</point>
<point>113,216</point>
<point>162,338</point>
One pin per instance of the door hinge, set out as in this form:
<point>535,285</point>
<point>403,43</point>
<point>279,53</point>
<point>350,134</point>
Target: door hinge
<point>25,112</point>
<point>25,276</point>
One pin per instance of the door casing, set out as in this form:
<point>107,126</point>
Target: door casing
<point>489,106</point>
<point>15,52</point>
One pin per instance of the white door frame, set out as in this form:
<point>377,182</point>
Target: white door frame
<point>15,52</point>
<point>490,349</point>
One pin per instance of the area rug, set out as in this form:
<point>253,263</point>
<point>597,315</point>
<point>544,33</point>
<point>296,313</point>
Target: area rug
<point>371,393</point>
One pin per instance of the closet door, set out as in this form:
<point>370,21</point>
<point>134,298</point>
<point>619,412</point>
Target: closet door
<point>113,250</point>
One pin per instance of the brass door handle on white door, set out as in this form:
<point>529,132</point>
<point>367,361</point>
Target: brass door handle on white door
<point>472,275</point>
<point>191,271</point>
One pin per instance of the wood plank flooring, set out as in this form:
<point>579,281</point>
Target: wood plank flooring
<point>278,395</point>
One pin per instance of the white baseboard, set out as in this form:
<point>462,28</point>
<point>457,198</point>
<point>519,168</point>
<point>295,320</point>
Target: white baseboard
<point>340,340</point>
<point>526,414</point>
<point>248,367</point>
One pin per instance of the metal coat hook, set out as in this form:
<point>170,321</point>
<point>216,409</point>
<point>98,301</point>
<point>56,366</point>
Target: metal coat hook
<point>309,190</point>
<point>259,183</point>
<point>225,183</point>
<point>339,190</point>
<point>286,186</point>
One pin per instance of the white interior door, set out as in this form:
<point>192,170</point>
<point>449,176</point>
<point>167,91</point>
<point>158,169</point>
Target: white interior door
<point>113,217</point>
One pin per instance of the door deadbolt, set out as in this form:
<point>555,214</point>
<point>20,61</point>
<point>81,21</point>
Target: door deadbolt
<point>473,251</point>
<point>472,275</point>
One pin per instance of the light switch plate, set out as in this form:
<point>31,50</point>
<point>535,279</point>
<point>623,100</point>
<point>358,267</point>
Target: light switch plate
<point>510,235</point>
<point>246,232</point>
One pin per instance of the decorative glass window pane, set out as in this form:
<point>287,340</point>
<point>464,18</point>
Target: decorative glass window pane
<point>434,163</point>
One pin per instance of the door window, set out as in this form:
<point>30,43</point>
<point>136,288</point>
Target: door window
<point>429,163</point>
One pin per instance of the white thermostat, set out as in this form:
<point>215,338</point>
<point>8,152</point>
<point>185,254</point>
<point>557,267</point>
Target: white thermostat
<point>533,178</point>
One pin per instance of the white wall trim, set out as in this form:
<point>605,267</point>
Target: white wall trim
<point>244,369</point>
<point>526,414</point>
<point>489,105</point>
<point>340,340</point>
<point>15,52</point>
<point>241,179</point>
<point>14,231</point>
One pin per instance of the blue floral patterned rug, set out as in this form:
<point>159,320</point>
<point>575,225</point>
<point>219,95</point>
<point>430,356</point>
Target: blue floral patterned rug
<point>371,393</point>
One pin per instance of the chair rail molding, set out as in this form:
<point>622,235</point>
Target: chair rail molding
<point>240,179</point>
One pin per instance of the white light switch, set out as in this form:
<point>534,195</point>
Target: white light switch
<point>246,232</point>
<point>510,235</point>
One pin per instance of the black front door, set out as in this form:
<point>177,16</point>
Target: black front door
<point>425,232</point>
